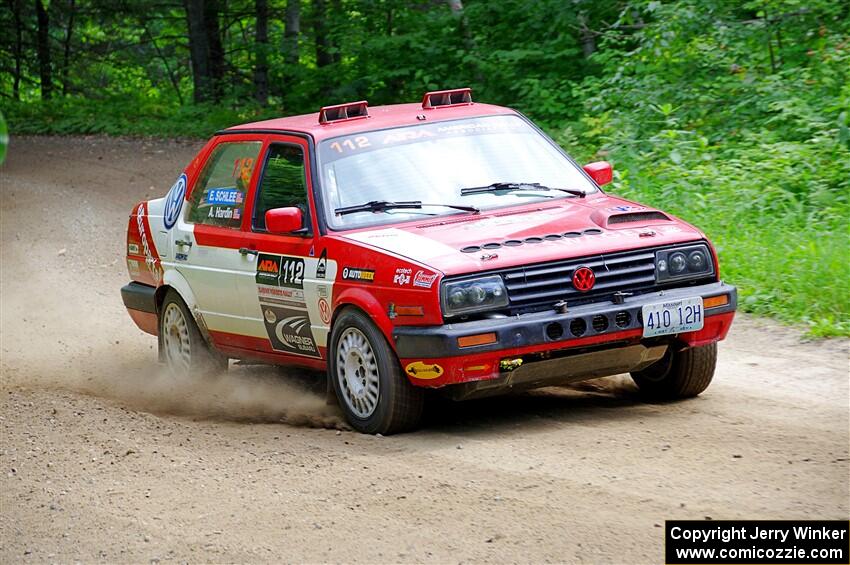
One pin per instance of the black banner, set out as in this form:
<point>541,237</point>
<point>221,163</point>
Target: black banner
<point>821,542</point>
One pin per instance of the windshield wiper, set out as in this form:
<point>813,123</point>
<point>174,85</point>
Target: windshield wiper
<point>383,205</point>
<point>513,186</point>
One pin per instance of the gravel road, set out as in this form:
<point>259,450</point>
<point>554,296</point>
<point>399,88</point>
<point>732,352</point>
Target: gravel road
<point>103,459</point>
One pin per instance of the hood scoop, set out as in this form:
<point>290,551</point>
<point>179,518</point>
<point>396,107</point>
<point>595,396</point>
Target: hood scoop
<point>532,240</point>
<point>631,217</point>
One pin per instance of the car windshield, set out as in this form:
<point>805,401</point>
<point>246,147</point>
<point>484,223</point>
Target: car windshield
<point>433,163</point>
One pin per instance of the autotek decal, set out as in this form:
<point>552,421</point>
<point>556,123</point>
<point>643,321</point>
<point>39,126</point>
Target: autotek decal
<point>355,274</point>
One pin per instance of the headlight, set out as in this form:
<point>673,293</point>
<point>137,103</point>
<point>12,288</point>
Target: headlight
<point>473,295</point>
<point>683,262</point>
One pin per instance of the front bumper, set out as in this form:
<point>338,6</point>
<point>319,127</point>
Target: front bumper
<point>606,327</point>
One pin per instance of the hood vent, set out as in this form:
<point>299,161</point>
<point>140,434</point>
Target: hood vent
<point>529,240</point>
<point>637,217</point>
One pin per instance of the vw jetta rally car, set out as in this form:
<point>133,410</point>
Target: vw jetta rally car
<point>447,244</point>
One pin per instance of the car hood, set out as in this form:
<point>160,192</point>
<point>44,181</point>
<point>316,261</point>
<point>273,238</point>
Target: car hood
<point>545,231</point>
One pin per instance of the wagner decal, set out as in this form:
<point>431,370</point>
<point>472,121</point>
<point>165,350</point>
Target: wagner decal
<point>420,370</point>
<point>289,330</point>
<point>322,265</point>
<point>354,274</point>
<point>424,280</point>
<point>174,202</point>
<point>402,276</point>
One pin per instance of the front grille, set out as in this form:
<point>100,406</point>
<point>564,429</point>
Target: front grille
<point>547,283</point>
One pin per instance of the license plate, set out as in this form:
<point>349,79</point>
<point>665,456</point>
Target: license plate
<point>672,317</point>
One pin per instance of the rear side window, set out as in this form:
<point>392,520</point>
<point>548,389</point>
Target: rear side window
<point>218,198</point>
<point>284,183</point>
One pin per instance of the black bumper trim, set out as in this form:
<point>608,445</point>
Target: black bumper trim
<point>138,296</point>
<point>428,342</point>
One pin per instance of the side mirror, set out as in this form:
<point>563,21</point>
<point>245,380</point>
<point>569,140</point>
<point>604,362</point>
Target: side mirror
<point>284,220</point>
<point>600,171</point>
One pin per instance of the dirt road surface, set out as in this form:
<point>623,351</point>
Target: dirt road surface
<point>104,459</point>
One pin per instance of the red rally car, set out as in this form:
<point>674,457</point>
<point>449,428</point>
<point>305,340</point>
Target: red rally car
<point>447,244</point>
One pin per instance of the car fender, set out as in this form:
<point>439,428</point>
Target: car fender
<point>363,299</point>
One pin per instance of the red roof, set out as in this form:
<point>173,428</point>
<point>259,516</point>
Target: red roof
<point>380,117</point>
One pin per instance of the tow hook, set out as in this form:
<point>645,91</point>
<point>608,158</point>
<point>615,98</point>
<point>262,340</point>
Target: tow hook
<point>508,365</point>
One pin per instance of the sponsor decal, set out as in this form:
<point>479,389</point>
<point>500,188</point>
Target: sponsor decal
<point>133,267</point>
<point>625,208</point>
<point>268,269</point>
<point>420,370</point>
<point>289,330</point>
<point>225,196</point>
<point>181,256</point>
<point>325,311</point>
<point>174,202</point>
<point>322,291</point>
<point>224,213</point>
<point>280,270</point>
<point>355,274</point>
<point>424,280</point>
<point>132,248</point>
<point>322,265</point>
<point>402,276</point>
<point>150,260</point>
<point>280,282</point>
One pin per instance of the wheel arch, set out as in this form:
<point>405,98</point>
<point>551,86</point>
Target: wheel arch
<point>365,302</point>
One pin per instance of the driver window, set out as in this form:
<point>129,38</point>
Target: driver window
<point>284,184</point>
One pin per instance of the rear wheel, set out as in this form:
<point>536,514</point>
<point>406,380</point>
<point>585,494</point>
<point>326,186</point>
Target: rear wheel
<point>679,374</point>
<point>184,349</point>
<point>367,378</point>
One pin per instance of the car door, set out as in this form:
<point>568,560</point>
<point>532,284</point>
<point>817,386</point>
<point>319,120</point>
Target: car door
<point>206,240</point>
<point>288,296</point>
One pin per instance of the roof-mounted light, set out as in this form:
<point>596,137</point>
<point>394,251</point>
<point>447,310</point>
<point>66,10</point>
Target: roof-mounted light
<point>444,98</point>
<point>343,112</point>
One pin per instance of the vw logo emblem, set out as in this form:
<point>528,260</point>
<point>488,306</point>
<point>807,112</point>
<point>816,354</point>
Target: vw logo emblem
<point>583,279</point>
<point>174,202</point>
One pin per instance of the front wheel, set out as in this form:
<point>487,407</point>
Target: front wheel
<point>679,374</point>
<point>367,378</point>
<point>184,349</point>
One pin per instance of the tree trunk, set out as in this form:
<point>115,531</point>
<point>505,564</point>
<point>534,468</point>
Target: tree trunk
<point>588,39</point>
<point>320,32</point>
<point>261,64</point>
<point>66,58</point>
<point>43,49</point>
<point>211,10</point>
<point>15,6</point>
<point>199,50</point>
<point>291,32</point>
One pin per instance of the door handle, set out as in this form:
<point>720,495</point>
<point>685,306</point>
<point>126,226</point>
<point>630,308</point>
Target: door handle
<point>183,243</point>
<point>246,251</point>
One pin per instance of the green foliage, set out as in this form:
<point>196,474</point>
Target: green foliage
<point>733,115</point>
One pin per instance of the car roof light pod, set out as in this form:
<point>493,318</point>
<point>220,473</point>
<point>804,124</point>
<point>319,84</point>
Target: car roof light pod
<point>445,98</point>
<point>344,112</point>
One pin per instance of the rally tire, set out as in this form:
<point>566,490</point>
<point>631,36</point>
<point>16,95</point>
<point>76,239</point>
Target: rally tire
<point>679,374</point>
<point>183,348</point>
<point>398,406</point>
